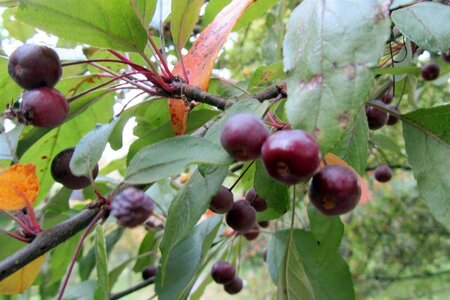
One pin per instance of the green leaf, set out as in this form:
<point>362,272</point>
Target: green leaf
<point>59,259</point>
<point>90,149</point>
<point>10,89</point>
<point>266,74</point>
<point>184,17</point>
<point>101,258</point>
<point>101,23</point>
<point>148,244</point>
<point>185,258</point>
<point>427,143</point>
<point>327,274</point>
<point>172,156</point>
<point>328,50</point>
<point>386,143</point>
<point>8,142</point>
<point>144,10</point>
<point>187,208</point>
<point>275,193</point>
<point>353,148</point>
<point>422,24</point>
<point>398,70</point>
<point>16,29</point>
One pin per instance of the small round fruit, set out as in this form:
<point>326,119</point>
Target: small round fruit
<point>252,234</point>
<point>43,107</point>
<point>149,272</point>
<point>264,224</point>
<point>335,190</point>
<point>131,207</point>
<point>258,203</point>
<point>241,217</point>
<point>223,272</point>
<point>291,156</point>
<point>33,66</point>
<point>430,71</point>
<point>383,173</point>
<point>234,286</point>
<point>392,120</point>
<point>61,172</point>
<point>387,98</point>
<point>243,135</point>
<point>446,56</point>
<point>376,118</point>
<point>222,201</point>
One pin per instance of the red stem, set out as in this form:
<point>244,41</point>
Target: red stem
<point>77,251</point>
<point>160,57</point>
<point>24,226</point>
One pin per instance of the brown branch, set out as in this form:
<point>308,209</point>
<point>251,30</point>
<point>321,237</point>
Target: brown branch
<point>46,240</point>
<point>133,289</point>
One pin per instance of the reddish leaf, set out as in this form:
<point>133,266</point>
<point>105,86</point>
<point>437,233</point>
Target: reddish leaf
<point>200,59</point>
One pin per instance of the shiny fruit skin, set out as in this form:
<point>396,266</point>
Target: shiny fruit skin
<point>430,71</point>
<point>252,234</point>
<point>222,202</point>
<point>234,286</point>
<point>44,107</point>
<point>33,66</point>
<point>242,136</point>
<point>241,217</point>
<point>335,190</point>
<point>61,172</point>
<point>223,272</point>
<point>291,156</point>
<point>376,118</point>
<point>383,173</point>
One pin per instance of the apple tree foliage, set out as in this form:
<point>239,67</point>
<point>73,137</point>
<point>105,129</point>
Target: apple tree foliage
<point>327,59</point>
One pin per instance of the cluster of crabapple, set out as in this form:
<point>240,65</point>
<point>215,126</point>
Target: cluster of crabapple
<point>224,273</point>
<point>37,69</point>
<point>377,118</point>
<point>290,156</point>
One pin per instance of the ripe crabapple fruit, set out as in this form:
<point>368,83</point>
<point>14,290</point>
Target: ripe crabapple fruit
<point>131,207</point>
<point>376,118</point>
<point>258,203</point>
<point>223,272</point>
<point>383,173</point>
<point>222,201</point>
<point>241,217</point>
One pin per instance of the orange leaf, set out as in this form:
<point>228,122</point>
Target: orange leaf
<point>22,279</point>
<point>200,59</point>
<point>332,159</point>
<point>18,184</point>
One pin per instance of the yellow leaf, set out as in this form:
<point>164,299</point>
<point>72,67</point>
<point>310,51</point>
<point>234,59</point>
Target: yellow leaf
<point>18,184</point>
<point>22,279</point>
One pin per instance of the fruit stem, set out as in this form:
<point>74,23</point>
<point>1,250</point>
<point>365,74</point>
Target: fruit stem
<point>14,235</point>
<point>161,59</point>
<point>183,68</point>
<point>77,251</point>
<point>24,226</point>
<point>242,175</point>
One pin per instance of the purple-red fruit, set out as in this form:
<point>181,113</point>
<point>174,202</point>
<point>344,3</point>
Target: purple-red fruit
<point>131,207</point>
<point>258,203</point>
<point>383,173</point>
<point>61,172</point>
<point>222,201</point>
<point>223,272</point>
<point>33,66</point>
<point>264,224</point>
<point>387,98</point>
<point>291,156</point>
<point>430,71</point>
<point>376,118</point>
<point>392,120</point>
<point>253,233</point>
<point>241,217</point>
<point>149,272</point>
<point>446,56</point>
<point>43,107</point>
<point>234,286</point>
<point>334,190</point>
<point>243,135</point>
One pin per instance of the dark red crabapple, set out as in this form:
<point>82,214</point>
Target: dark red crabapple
<point>258,203</point>
<point>376,118</point>
<point>387,98</point>
<point>234,286</point>
<point>43,107</point>
<point>383,173</point>
<point>252,234</point>
<point>222,201</point>
<point>334,190</point>
<point>33,66</point>
<point>131,207</point>
<point>241,217</point>
<point>264,224</point>
<point>149,272</point>
<point>430,71</point>
<point>61,172</point>
<point>392,120</point>
<point>243,135</point>
<point>446,56</point>
<point>223,272</point>
<point>291,156</point>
